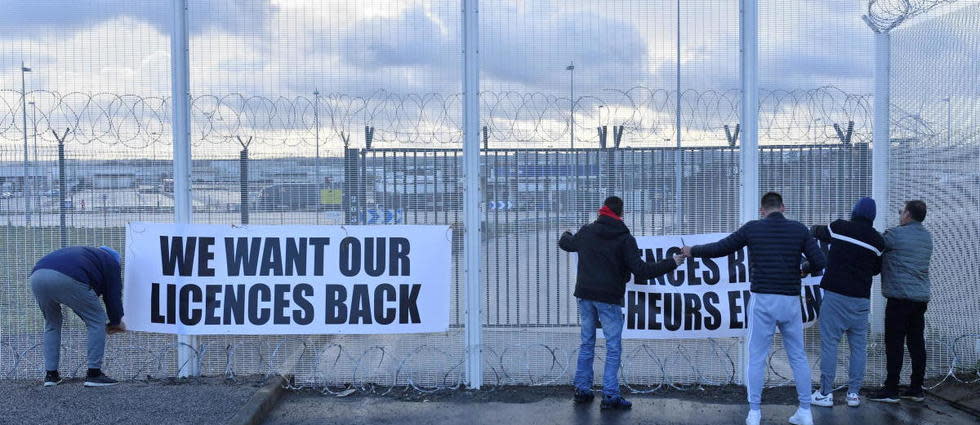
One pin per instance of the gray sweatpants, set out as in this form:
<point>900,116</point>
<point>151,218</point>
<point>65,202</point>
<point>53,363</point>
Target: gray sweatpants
<point>766,313</point>
<point>841,314</point>
<point>52,290</point>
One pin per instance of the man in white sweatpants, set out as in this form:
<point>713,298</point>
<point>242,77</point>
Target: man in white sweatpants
<point>775,245</point>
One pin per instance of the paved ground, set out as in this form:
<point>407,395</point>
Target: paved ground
<point>550,405</point>
<point>158,402</point>
<point>962,395</point>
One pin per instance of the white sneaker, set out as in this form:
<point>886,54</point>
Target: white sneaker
<point>754,417</point>
<point>818,399</point>
<point>802,417</point>
<point>853,400</point>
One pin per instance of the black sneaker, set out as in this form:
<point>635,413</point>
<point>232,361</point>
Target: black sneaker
<point>52,378</point>
<point>100,381</point>
<point>884,395</point>
<point>914,395</point>
<point>616,402</point>
<point>584,396</point>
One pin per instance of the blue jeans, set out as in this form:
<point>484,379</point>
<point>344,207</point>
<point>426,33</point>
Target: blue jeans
<point>610,316</point>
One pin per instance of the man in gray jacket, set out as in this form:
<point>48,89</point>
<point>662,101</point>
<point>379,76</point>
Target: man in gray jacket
<point>905,283</point>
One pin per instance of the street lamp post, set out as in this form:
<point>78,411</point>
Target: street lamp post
<point>24,186</point>
<point>571,103</point>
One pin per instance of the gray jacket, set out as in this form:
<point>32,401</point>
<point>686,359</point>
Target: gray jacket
<point>905,262</point>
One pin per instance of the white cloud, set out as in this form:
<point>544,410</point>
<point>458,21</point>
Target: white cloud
<point>395,48</point>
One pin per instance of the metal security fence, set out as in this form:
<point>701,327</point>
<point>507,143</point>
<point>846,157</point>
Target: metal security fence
<point>531,195</point>
<point>279,94</point>
<point>935,157</point>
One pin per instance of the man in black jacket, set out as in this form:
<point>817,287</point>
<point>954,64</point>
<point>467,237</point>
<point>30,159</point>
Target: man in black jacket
<point>607,255</point>
<point>854,258</point>
<point>775,245</point>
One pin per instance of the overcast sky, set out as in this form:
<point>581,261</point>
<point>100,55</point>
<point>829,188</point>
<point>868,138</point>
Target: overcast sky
<point>290,48</point>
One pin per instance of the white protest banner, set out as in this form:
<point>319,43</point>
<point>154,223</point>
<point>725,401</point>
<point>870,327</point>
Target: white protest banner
<point>703,298</point>
<point>199,279</point>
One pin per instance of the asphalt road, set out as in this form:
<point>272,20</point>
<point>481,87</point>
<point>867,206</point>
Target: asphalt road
<point>552,405</point>
<point>158,402</point>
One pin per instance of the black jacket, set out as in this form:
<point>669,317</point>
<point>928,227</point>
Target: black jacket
<point>775,245</point>
<point>850,266</point>
<point>607,254</point>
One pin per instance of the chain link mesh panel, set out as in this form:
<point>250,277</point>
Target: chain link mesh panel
<point>935,157</point>
<point>347,112</point>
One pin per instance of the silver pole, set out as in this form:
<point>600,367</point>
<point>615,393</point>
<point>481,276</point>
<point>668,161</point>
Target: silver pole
<point>880,150</point>
<point>749,32</point>
<point>678,173</point>
<point>749,151</point>
<point>180,74</point>
<point>472,196</point>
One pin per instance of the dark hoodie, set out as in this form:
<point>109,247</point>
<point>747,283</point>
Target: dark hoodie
<point>607,254</point>
<point>855,254</point>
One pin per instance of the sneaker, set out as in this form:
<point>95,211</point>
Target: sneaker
<point>582,396</point>
<point>52,378</point>
<point>818,399</point>
<point>914,395</point>
<point>754,417</point>
<point>801,417</point>
<point>616,402</point>
<point>885,395</point>
<point>100,381</point>
<point>853,400</point>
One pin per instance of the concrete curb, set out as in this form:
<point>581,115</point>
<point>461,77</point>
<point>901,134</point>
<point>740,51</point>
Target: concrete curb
<point>261,403</point>
<point>971,409</point>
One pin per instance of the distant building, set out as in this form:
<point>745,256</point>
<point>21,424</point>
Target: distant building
<point>114,180</point>
<point>12,178</point>
<point>300,197</point>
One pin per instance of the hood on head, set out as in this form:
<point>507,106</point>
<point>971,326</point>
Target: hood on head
<point>609,228</point>
<point>115,254</point>
<point>864,208</point>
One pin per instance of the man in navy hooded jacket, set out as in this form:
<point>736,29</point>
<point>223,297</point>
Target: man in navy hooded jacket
<point>854,258</point>
<point>76,277</point>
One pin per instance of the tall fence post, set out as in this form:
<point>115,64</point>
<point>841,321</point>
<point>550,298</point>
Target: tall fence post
<point>243,184</point>
<point>678,155</point>
<point>180,74</point>
<point>351,201</point>
<point>62,186</point>
<point>880,150</point>
<point>243,178</point>
<point>749,151</point>
<point>472,195</point>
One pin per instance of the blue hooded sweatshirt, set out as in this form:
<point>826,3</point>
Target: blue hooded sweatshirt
<point>99,268</point>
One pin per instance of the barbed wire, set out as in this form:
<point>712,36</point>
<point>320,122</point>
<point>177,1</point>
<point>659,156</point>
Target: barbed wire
<point>138,122</point>
<point>336,369</point>
<point>887,14</point>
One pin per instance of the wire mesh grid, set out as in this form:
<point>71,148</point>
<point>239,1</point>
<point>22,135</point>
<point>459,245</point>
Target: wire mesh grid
<point>935,157</point>
<point>271,148</point>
